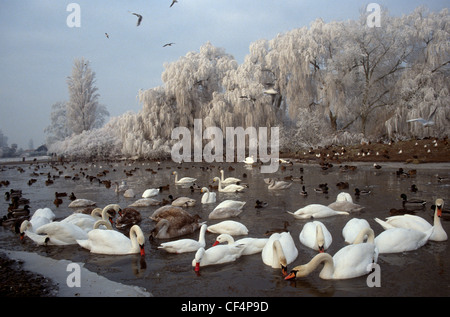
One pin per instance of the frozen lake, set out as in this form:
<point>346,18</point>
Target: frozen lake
<point>424,272</point>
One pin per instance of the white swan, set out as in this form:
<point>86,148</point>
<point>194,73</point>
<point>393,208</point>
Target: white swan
<point>81,202</point>
<point>252,245</point>
<point>228,180</point>
<point>224,212</point>
<point>217,255</point>
<point>184,180</point>
<point>185,245</point>
<point>145,202</point>
<point>352,228</point>
<point>40,217</point>
<point>249,160</point>
<point>279,251</point>
<point>114,242</point>
<point>231,204</point>
<point>232,188</point>
<point>273,184</point>
<point>316,211</point>
<point>208,197</point>
<point>86,222</point>
<point>150,192</point>
<point>344,202</point>
<point>351,261</point>
<point>418,223</point>
<point>129,193</point>
<point>231,227</point>
<point>44,212</point>
<point>57,233</point>
<point>396,240</point>
<point>316,236</point>
<point>184,202</point>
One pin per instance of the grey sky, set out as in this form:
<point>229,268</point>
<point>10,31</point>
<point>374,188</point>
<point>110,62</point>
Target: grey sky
<point>38,48</point>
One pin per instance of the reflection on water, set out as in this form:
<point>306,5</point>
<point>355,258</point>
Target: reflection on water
<point>417,273</point>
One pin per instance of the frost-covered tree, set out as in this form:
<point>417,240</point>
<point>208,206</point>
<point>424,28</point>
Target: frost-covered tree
<point>58,129</point>
<point>83,110</point>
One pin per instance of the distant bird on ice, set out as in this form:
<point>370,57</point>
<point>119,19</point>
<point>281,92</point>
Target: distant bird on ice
<point>173,2</point>
<point>168,44</point>
<point>139,18</point>
<point>425,123</point>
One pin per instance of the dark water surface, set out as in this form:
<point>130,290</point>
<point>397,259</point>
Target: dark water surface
<point>423,272</point>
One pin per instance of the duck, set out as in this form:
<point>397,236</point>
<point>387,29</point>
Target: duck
<point>216,255</point>
<point>344,202</point>
<point>145,202</point>
<point>252,245</point>
<point>81,202</point>
<point>232,188</point>
<point>166,229</point>
<point>418,223</point>
<point>183,180</point>
<point>183,202</point>
<point>260,204</point>
<point>224,212</point>
<point>18,212</point>
<point>316,211</point>
<point>151,192</point>
<point>349,262</point>
<point>72,196</point>
<point>208,197</point>
<point>316,236</point>
<point>228,180</point>
<point>412,202</point>
<point>56,233</point>
<point>279,251</point>
<point>273,184</point>
<point>352,228</point>
<point>113,242</point>
<point>395,240</point>
<point>231,227</point>
<point>127,218</point>
<point>185,245</point>
<point>278,230</point>
<point>303,192</point>
<point>359,192</point>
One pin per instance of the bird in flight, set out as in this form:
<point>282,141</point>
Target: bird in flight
<point>139,18</point>
<point>425,123</point>
<point>173,2</point>
<point>168,44</point>
<point>107,36</point>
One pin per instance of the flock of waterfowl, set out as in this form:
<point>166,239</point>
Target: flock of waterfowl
<point>100,231</point>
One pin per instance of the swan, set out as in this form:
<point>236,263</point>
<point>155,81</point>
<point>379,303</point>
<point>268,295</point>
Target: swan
<point>344,202</point>
<point>252,245</point>
<point>316,211</point>
<point>185,245</point>
<point>81,202</point>
<point>120,188</point>
<point>217,255</point>
<point>231,204</point>
<point>208,197</point>
<point>224,212</point>
<point>232,188</point>
<point>127,218</point>
<point>351,261</point>
<point>352,228</point>
<point>316,236</point>
<point>279,251</point>
<point>273,184</point>
<point>86,222</point>
<point>249,160</point>
<point>165,229</point>
<point>228,180</point>
<point>184,202</point>
<point>114,242</point>
<point>150,192</point>
<point>418,223</point>
<point>56,233</point>
<point>401,239</point>
<point>231,227</point>
<point>145,202</point>
<point>184,180</point>
<point>44,212</point>
<point>175,215</point>
<point>129,193</point>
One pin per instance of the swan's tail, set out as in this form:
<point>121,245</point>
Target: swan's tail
<point>384,224</point>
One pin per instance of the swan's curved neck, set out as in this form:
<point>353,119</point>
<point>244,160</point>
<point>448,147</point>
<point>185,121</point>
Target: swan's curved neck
<point>320,239</point>
<point>102,222</point>
<point>437,218</point>
<point>366,231</point>
<point>328,267</point>
<point>279,257</point>
<point>201,237</point>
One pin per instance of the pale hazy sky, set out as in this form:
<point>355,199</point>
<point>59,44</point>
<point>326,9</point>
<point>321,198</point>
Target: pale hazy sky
<point>37,48</point>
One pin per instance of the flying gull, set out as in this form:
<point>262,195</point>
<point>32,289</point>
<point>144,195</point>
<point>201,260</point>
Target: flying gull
<point>173,2</point>
<point>107,35</point>
<point>168,44</point>
<point>139,18</point>
<point>425,123</point>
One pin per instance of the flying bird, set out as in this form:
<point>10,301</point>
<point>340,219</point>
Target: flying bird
<point>139,18</point>
<point>425,123</point>
<point>173,2</point>
<point>107,36</point>
<point>168,44</point>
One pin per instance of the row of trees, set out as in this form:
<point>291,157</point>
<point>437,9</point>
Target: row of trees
<point>337,82</point>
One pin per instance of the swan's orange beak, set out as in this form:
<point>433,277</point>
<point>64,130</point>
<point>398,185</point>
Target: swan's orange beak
<point>290,276</point>
<point>284,270</point>
<point>321,249</point>
<point>22,235</point>
<point>215,243</point>
<point>439,211</point>
<point>142,250</point>
<point>197,267</point>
